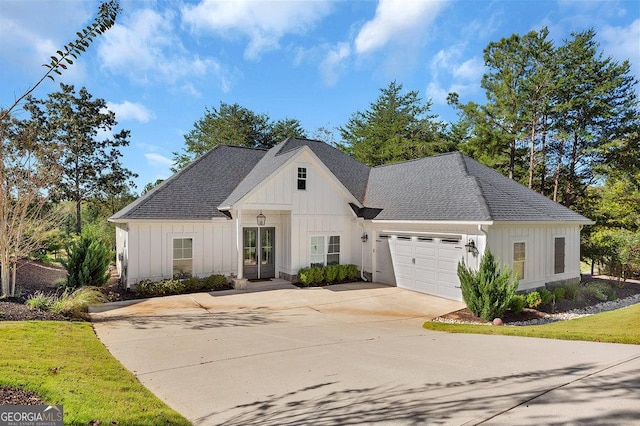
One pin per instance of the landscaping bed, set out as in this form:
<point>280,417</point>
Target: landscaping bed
<point>616,291</point>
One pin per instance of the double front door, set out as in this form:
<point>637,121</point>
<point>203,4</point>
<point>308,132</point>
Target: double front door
<point>259,253</point>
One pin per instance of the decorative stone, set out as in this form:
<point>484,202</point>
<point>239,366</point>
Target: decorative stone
<point>497,321</point>
<point>239,283</point>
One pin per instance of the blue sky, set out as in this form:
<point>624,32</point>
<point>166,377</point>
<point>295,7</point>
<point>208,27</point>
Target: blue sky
<point>317,61</point>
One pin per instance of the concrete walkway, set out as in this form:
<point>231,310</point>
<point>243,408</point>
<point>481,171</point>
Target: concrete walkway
<point>356,354</point>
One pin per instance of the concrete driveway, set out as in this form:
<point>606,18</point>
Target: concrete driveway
<point>356,354</point>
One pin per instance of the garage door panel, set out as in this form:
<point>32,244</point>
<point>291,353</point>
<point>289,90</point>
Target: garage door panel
<point>428,265</point>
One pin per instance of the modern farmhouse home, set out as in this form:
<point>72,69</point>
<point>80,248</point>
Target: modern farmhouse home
<point>257,214</point>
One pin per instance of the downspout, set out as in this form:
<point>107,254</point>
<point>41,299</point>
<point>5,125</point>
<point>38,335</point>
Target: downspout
<point>362,277</point>
<point>486,237</point>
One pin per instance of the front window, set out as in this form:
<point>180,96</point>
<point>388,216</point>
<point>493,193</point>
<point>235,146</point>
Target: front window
<point>324,250</point>
<point>519,259</point>
<point>182,256</point>
<point>302,178</point>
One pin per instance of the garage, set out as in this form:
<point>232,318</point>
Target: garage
<point>427,264</point>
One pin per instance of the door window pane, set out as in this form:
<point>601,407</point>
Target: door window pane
<point>250,236</point>
<point>317,251</point>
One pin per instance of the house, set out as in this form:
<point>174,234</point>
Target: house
<point>256,214</point>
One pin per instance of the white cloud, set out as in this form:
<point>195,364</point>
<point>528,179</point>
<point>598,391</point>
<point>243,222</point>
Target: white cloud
<point>263,22</point>
<point>470,70</point>
<point>461,76</point>
<point>398,20</point>
<point>622,43</point>
<point>157,160</point>
<point>146,49</point>
<point>333,63</point>
<point>130,111</point>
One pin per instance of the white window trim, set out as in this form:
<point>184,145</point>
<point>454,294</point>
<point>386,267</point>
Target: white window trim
<point>298,178</point>
<point>174,237</point>
<point>326,239</point>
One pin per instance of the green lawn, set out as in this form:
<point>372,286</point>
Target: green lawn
<point>619,326</point>
<point>88,382</point>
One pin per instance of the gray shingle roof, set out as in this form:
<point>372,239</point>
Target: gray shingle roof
<point>448,187</point>
<point>453,187</point>
<point>195,192</point>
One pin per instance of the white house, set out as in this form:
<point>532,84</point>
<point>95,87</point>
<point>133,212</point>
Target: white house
<point>258,214</point>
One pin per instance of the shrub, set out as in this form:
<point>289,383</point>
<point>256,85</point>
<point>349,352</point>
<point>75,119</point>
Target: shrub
<point>546,296</point>
<point>214,282</point>
<point>352,272</point>
<point>88,263</point>
<point>559,293</point>
<point>39,300</point>
<point>516,304</point>
<point>600,291</point>
<point>317,275</point>
<point>342,272</point>
<point>487,291</point>
<point>571,291</point>
<point>331,273</point>
<point>304,277</point>
<point>76,304</point>
<point>168,287</point>
<point>533,299</point>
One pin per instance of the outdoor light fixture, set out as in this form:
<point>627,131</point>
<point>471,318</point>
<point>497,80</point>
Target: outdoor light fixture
<point>364,237</point>
<point>262,219</point>
<point>471,248</point>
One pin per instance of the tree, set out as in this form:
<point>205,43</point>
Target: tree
<point>107,13</point>
<point>28,168</point>
<point>396,127</point>
<point>90,165</point>
<point>25,178</point>
<point>148,187</point>
<point>232,124</point>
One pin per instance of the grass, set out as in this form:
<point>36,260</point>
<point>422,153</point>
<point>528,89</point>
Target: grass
<point>65,363</point>
<point>619,326</point>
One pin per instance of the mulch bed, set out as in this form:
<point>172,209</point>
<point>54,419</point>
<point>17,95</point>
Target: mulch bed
<point>12,396</point>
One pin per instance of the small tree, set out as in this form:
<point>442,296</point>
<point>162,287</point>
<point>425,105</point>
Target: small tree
<point>88,263</point>
<point>487,291</point>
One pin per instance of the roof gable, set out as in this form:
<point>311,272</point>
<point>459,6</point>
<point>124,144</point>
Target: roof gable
<point>352,174</point>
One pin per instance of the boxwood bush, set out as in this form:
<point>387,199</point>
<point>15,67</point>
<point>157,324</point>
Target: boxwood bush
<point>318,275</point>
<point>167,287</point>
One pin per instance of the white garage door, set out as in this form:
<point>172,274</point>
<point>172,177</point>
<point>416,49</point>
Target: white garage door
<point>427,264</point>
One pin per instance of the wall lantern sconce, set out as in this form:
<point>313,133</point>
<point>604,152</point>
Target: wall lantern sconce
<point>364,237</point>
<point>262,219</point>
<point>471,248</point>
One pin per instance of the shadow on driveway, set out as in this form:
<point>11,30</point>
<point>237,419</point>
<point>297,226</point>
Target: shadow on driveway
<point>477,401</point>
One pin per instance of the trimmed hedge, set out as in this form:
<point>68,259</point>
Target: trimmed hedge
<point>316,275</point>
<point>177,286</point>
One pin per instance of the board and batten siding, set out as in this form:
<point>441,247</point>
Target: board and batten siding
<point>150,250</point>
<point>539,251</point>
<point>320,209</point>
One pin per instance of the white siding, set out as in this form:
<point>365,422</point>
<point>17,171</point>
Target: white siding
<point>150,248</point>
<point>321,209</point>
<point>539,243</point>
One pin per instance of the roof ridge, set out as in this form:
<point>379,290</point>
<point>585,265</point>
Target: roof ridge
<point>477,186</point>
<point>413,160</point>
